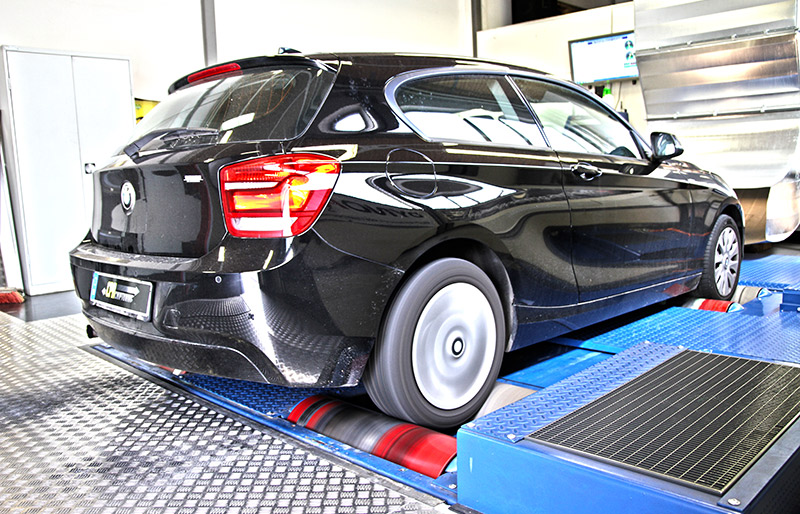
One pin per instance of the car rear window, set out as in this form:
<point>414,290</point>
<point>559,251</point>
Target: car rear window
<point>471,108</point>
<point>275,103</point>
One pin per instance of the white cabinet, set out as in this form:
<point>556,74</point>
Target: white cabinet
<point>59,111</point>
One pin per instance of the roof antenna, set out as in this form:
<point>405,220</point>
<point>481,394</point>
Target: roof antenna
<point>286,50</point>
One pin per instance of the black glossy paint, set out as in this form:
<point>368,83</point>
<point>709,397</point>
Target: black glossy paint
<point>563,250</point>
<point>628,230</point>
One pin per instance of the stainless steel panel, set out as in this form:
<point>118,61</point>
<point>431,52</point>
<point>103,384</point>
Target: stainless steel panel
<point>753,75</point>
<point>758,155</point>
<point>724,75</point>
<point>666,23</point>
<point>748,151</point>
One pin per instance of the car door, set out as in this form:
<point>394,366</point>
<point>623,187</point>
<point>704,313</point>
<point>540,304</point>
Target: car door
<point>631,225</point>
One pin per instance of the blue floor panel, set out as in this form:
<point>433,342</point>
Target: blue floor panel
<point>494,448</point>
<point>547,373</point>
<point>772,337</point>
<point>530,478</point>
<point>775,272</point>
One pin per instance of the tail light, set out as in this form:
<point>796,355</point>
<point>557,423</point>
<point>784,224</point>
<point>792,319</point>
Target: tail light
<point>276,196</point>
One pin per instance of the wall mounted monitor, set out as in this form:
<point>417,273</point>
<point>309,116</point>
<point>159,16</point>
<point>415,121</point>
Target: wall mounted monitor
<point>603,58</point>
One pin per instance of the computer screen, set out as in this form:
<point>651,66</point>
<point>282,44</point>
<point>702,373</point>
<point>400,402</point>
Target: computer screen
<point>603,58</point>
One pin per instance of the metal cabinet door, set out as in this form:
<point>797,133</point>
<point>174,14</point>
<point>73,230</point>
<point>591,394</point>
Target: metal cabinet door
<point>45,179</point>
<point>104,106</point>
<point>54,114</point>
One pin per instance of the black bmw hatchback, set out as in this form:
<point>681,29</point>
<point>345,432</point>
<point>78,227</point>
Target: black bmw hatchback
<point>402,220</point>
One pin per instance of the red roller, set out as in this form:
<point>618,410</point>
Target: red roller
<point>713,305</point>
<point>411,446</point>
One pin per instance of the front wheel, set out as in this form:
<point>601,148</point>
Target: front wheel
<point>722,261</point>
<point>440,347</point>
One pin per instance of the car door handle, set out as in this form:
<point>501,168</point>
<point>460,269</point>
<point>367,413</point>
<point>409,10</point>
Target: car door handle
<point>586,171</point>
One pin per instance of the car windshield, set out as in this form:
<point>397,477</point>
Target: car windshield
<point>275,103</point>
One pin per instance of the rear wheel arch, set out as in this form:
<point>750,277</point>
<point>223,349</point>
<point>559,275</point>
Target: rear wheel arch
<point>484,257</point>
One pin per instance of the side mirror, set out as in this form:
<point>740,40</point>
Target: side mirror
<point>665,146</point>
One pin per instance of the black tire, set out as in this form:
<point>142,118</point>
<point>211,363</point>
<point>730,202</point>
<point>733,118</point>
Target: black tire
<point>440,347</point>
<point>722,261</point>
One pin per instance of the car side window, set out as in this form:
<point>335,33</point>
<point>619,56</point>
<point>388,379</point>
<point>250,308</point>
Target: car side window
<point>573,123</point>
<point>471,108</point>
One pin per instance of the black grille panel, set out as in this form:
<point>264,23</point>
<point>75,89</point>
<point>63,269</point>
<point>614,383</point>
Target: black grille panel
<point>700,419</point>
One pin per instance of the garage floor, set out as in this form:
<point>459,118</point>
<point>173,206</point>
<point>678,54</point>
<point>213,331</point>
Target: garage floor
<point>81,434</point>
<point>78,434</point>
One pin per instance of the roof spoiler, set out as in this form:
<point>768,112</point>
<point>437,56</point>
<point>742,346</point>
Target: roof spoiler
<point>252,62</point>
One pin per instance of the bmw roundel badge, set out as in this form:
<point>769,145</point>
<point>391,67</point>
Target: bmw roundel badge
<point>127,197</point>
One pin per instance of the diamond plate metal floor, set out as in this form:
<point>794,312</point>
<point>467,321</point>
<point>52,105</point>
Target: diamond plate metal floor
<point>78,434</point>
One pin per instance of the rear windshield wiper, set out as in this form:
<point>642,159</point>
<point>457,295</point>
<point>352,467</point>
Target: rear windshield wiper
<point>172,137</point>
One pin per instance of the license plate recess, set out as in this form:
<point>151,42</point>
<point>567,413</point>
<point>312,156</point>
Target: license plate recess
<point>123,295</point>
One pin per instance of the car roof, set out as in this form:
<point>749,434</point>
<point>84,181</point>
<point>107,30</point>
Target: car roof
<point>413,60</point>
<point>392,63</point>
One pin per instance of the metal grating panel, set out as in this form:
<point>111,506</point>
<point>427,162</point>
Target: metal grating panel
<point>513,422</point>
<point>699,419</point>
<point>267,399</point>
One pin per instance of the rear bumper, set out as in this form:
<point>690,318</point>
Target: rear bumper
<point>295,325</point>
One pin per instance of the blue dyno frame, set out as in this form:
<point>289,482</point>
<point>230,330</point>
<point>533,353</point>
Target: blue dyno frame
<point>500,471</point>
<point>531,477</point>
<point>526,476</point>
